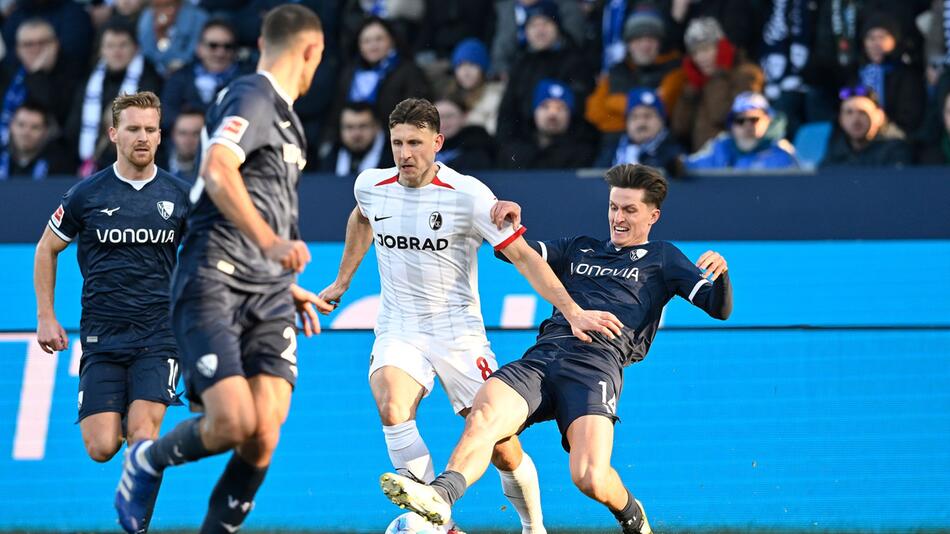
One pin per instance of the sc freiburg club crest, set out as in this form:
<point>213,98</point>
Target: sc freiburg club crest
<point>166,208</point>
<point>435,220</point>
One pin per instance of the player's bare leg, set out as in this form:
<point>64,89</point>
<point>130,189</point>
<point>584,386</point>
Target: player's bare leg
<point>144,420</point>
<point>591,438</point>
<point>233,496</point>
<point>497,413</point>
<point>102,435</point>
<point>397,397</point>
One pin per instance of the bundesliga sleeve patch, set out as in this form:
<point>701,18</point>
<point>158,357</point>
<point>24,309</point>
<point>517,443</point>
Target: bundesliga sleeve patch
<point>57,216</point>
<point>232,128</point>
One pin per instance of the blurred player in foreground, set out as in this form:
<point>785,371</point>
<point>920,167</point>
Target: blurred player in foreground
<point>233,294</point>
<point>427,222</point>
<point>578,384</point>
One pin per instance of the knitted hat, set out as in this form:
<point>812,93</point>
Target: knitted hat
<point>545,8</point>
<point>645,97</point>
<point>748,101</point>
<point>644,22</point>
<point>547,89</point>
<point>702,31</point>
<point>886,22</point>
<point>471,51</point>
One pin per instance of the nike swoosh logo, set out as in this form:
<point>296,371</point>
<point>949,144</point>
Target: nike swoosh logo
<point>230,528</point>
<point>109,212</point>
<point>378,218</point>
<point>284,124</point>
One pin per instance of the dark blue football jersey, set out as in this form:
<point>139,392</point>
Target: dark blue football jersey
<point>127,234</point>
<point>634,283</point>
<point>254,119</point>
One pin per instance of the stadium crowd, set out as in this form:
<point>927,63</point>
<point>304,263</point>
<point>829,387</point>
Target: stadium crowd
<point>684,85</point>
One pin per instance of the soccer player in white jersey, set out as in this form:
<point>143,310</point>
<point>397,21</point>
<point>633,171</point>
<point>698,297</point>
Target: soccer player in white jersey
<point>427,222</point>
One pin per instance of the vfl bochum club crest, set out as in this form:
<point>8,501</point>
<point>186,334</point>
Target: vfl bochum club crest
<point>166,208</point>
<point>636,254</point>
<point>435,220</point>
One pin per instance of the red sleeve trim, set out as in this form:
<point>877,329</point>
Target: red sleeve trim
<point>511,238</point>
<point>388,181</point>
<point>440,183</point>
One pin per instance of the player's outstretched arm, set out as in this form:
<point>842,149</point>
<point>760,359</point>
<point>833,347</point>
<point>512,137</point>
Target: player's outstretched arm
<point>225,186</point>
<point>359,236</point>
<point>715,268</point>
<point>49,333</point>
<point>547,284</point>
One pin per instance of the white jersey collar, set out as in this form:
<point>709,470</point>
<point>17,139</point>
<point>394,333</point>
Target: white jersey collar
<point>136,184</point>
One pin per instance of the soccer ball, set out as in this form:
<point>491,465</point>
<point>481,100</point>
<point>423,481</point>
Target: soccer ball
<point>413,523</point>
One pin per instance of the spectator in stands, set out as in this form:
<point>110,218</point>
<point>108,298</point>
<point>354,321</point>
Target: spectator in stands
<point>381,75</point>
<point>741,20</point>
<point>864,136</point>
<point>937,152</point>
<point>403,18</point>
<point>746,147</point>
<point>115,12</point>
<point>482,97</point>
<point>711,77</point>
<point>180,156</point>
<point>885,68</point>
<point>214,66</point>
<point>646,140</point>
<point>557,141</point>
<point>548,55</point>
<point>511,28</point>
<point>168,33</point>
<point>936,39</point>
<point>30,154</point>
<point>361,144</point>
<point>450,22</point>
<point>44,76</point>
<point>121,69</point>
<point>466,147</point>
<point>70,22</point>
<point>643,66</point>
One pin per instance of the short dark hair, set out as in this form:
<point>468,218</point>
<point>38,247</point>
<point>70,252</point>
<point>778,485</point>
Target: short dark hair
<point>120,27</point>
<point>635,176</point>
<point>285,22</point>
<point>360,107</point>
<point>142,99</point>
<point>218,22</point>
<point>35,107</point>
<point>418,112</point>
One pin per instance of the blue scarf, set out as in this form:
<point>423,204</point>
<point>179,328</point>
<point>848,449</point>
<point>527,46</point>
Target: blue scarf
<point>366,82</point>
<point>208,83</point>
<point>614,47</point>
<point>14,98</point>
<point>873,75</point>
<point>630,152</point>
<point>40,169</point>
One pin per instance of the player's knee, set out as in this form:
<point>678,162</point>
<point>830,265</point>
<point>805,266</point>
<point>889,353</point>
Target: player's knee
<point>101,450</point>
<point>142,432</point>
<point>233,429</point>
<point>592,481</point>
<point>394,413</point>
<point>506,456</point>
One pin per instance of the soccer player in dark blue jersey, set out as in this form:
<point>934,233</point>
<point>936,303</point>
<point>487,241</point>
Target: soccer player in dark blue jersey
<point>233,293</point>
<point>127,221</point>
<point>575,383</point>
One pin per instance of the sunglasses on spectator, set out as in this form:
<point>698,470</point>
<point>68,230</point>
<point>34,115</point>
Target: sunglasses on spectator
<point>746,120</point>
<point>857,90</point>
<point>230,47</point>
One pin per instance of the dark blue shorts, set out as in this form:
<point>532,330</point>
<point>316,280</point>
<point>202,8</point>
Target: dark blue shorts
<point>110,380</point>
<point>565,381</point>
<point>225,332</point>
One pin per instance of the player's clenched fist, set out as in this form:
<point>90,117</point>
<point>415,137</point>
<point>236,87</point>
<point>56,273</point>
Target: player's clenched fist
<point>51,336</point>
<point>293,255</point>
<point>712,263</point>
<point>601,322</point>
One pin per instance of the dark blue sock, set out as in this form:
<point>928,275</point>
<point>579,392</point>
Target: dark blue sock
<point>233,496</point>
<point>182,444</point>
<point>450,485</point>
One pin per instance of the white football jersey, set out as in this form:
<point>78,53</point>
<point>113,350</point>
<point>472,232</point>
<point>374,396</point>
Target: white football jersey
<point>426,243</point>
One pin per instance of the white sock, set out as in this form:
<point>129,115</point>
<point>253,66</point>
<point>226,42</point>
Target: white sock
<point>408,452</point>
<point>522,489</point>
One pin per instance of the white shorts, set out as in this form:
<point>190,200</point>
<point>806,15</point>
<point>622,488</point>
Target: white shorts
<point>462,364</point>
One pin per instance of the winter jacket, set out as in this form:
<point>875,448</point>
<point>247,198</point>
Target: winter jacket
<point>471,149</point>
<point>723,153</point>
<point>607,105</point>
<point>662,155</point>
<point>505,47</point>
<point>888,149</point>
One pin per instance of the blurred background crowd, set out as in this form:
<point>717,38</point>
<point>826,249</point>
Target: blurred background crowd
<point>685,85</point>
